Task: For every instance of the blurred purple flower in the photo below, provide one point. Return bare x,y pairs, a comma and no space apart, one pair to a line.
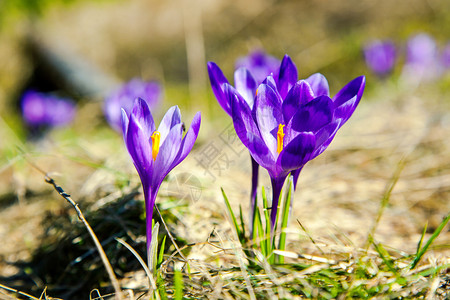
380,57
289,122
421,49
421,58
445,57
259,64
156,152
42,109
124,98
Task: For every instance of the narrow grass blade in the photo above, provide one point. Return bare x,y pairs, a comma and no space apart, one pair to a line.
385,200
259,232
242,238
178,282
151,280
230,211
161,251
284,219
268,229
162,292
252,220
430,240
255,219
384,255
419,244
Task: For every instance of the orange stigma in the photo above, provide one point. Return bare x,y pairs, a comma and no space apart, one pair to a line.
280,136
155,140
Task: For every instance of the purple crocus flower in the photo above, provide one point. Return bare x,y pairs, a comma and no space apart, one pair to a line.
250,71
124,96
445,57
380,57
259,64
421,58
156,152
290,122
47,110
246,85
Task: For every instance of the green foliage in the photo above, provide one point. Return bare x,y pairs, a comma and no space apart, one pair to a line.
421,251
263,238
178,278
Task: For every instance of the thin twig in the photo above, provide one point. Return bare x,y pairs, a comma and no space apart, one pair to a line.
310,237
385,200
106,263
151,280
170,235
17,292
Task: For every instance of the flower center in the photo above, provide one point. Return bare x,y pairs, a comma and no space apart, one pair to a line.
280,136
155,141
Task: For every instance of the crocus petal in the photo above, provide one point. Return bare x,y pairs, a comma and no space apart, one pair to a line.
268,115
325,136
139,148
319,85
270,81
248,132
170,119
297,152
245,85
167,154
217,81
348,98
260,153
313,115
188,141
242,117
124,124
143,116
300,94
287,77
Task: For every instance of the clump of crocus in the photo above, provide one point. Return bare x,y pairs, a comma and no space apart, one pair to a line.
380,57
288,122
44,110
123,97
155,152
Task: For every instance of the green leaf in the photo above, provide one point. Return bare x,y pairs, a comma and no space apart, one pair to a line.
152,255
384,255
419,245
430,240
230,211
242,238
178,282
268,232
284,218
161,251
261,234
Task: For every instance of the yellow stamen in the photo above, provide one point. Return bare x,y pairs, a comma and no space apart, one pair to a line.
280,136
155,140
